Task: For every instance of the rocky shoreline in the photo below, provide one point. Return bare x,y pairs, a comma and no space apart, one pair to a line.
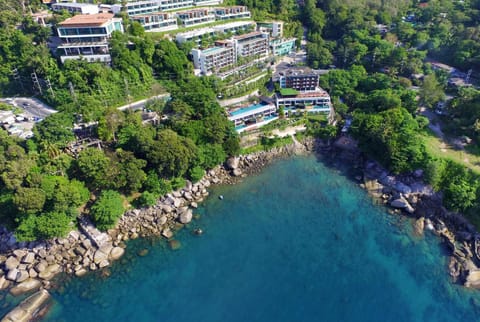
30,267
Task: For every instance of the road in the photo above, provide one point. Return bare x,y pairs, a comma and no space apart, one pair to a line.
139,105
31,106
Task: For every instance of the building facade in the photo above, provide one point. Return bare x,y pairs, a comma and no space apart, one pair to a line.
299,82
281,47
252,44
195,17
86,36
274,28
76,8
235,12
157,21
212,60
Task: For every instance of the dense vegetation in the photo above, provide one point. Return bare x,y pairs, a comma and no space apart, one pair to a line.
44,187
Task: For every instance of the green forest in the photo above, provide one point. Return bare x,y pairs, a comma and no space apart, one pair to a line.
374,45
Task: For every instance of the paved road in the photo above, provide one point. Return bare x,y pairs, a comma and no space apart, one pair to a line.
31,106
139,105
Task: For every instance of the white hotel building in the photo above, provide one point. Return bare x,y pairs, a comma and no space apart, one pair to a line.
86,36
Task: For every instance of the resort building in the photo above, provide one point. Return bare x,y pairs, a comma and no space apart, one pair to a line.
81,8
281,47
253,116
299,80
274,28
157,21
235,12
175,4
199,3
215,59
195,17
252,44
86,36
138,7
317,101
231,27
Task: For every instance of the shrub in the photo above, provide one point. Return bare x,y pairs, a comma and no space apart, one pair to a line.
196,173
107,209
147,199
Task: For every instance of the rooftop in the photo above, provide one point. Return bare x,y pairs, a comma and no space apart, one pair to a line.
74,4
288,92
249,35
87,20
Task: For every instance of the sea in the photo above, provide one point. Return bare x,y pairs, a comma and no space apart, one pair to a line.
301,241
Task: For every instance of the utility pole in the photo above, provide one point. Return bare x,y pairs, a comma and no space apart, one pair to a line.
72,92
36,83
18,78
49,85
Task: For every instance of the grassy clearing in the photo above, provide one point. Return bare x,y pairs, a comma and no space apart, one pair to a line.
445,150
268,144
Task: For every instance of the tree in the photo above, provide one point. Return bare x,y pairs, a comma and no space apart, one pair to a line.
94,166
107,209
431,92
57,128
29,200
171,154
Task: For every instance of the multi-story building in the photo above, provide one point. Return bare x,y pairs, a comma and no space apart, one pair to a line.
252,44
195,17
157,21
299,80
81,8
199,3
253,116
86,36
274,28
231,27
212,60
175,4
281,47
235,12
312,101
136,7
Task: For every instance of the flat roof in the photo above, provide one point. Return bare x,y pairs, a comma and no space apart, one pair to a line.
250,34
74,4
250,110
288,91
97,19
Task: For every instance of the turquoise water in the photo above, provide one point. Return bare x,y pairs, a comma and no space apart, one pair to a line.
299,242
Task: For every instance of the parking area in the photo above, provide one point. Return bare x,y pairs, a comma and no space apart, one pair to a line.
19,114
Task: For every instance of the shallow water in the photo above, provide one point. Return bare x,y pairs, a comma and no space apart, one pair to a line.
299,242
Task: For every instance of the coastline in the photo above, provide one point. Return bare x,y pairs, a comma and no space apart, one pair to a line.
79,253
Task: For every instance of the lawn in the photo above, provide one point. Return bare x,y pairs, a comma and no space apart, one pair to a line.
441,149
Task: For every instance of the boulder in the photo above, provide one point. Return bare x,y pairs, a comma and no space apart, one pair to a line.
186,217
28,258
40,267
49,272
80,272
167,233
28,308
103,263
174,244
3,283
11,263
32,272
22,276
99,256
26,286
419,225
12,274
237,172
116,253
473,279
162,220
232,163
19,253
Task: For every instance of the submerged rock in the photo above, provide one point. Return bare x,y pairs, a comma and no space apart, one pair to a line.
174,244
26,286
